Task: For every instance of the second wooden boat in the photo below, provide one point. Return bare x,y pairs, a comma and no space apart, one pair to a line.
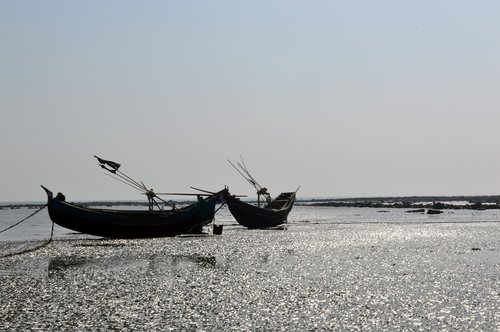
269,213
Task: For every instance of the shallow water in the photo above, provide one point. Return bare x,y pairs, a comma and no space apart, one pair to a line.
39,226
330,269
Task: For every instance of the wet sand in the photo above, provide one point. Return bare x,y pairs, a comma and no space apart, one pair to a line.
357,277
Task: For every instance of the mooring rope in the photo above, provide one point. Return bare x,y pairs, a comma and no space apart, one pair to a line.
31,215
31,249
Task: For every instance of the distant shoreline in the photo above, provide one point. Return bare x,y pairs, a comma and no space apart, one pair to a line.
406,202
413,202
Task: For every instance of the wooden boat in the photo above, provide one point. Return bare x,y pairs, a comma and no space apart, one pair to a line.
120,224
251,216
134,223
272,213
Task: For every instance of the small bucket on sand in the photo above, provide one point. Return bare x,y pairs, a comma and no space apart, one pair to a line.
218,229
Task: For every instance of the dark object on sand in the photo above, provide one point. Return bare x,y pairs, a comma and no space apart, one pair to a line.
134,223
431,211
273,212
416,211
218,229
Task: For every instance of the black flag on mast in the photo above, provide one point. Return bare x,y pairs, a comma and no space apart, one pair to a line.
103,163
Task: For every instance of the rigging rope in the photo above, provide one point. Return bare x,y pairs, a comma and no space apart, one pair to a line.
220,207
31,249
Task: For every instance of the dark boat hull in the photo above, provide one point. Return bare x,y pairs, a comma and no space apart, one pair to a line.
253,217
131,224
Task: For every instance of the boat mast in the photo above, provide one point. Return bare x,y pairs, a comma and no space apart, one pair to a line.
112,167
261,191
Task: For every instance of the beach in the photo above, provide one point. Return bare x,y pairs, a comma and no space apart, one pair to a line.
371,127
316,274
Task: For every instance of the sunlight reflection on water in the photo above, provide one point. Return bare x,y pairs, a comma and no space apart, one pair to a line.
38,227
336,269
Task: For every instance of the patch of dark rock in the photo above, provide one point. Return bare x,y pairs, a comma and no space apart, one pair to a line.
416,211
99,245
63,263
432,211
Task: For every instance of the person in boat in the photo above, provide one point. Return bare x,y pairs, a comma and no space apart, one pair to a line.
150,194
201,202
60,197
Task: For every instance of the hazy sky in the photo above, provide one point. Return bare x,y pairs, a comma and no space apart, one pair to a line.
346,98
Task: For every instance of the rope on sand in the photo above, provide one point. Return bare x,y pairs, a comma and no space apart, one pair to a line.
32,249
31,215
